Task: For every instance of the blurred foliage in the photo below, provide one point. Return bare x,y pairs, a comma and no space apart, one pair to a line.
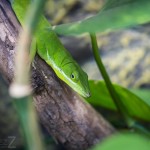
124,142
134,105
127,13
9,123
65,11
143,94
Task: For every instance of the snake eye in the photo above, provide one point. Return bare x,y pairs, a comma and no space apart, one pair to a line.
72,76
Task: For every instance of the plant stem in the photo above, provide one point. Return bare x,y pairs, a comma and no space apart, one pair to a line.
22,60
20,89
108,82
121,108
28,120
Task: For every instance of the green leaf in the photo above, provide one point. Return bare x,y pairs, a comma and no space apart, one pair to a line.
115,3
134,105
143,94
124,142
115,15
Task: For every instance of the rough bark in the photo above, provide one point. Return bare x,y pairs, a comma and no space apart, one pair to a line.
66,116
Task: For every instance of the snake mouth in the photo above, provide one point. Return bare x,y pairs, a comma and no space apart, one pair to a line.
87,94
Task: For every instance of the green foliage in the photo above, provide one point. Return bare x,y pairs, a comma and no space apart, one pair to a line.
134,105
143,94
124,142
23,99
114,15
